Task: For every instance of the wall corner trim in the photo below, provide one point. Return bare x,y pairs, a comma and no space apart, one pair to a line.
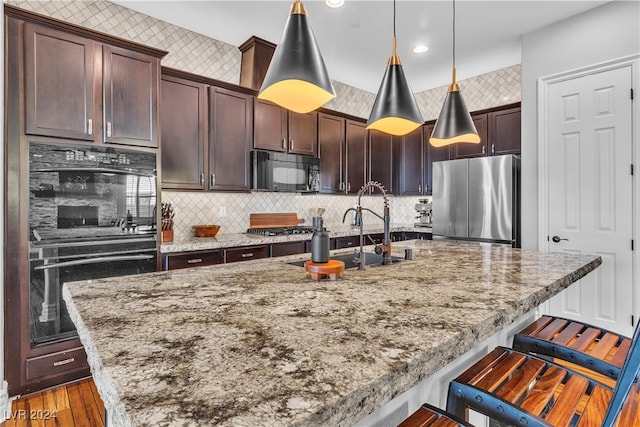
5,402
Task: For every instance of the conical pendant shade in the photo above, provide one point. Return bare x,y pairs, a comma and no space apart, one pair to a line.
297,77
454,123
395,110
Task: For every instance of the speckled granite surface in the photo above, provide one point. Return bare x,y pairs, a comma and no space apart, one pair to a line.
242,239
258,343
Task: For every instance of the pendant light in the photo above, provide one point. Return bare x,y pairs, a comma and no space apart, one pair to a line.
454,123
297,78
395,110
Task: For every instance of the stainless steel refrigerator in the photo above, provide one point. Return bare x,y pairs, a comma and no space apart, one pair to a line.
477,199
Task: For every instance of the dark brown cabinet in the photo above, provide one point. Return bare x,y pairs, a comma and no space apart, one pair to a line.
193,259
288,248
183,117
464,150
109,93
434,154
499,131
348,242
505,135
278,129
246,253
409,163
230,139
342,147
381,159
58,71
130,87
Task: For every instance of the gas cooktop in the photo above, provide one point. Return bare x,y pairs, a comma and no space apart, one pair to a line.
279,231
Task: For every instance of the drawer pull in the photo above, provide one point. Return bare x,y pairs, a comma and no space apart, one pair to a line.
108,129
64,362
194,261
247,255
90,127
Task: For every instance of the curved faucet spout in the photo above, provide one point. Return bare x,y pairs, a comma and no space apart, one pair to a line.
347,211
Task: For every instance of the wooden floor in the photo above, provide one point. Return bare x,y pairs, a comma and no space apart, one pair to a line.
72,405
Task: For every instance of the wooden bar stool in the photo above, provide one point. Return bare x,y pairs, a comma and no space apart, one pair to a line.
430,416
522,389
579,343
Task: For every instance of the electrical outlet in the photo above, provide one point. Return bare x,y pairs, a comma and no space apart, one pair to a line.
222,212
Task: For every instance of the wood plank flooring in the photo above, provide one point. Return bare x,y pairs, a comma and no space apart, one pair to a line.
72,405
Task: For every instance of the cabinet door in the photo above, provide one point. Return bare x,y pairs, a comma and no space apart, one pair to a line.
504,131
303,133
183,119
192,259
356,150
434,154
410,163
130,87
465,151
287,248
380,158
230,137
330,146
270,121
59,83
246,253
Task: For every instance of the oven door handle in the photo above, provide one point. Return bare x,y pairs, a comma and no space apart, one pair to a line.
94,261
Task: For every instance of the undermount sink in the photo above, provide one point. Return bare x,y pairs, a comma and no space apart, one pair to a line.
371,259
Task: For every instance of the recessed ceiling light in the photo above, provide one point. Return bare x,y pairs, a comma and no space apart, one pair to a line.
334,3
420,49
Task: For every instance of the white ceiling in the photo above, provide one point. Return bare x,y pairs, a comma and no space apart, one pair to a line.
356,39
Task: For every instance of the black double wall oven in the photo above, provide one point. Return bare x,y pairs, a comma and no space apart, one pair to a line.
91,214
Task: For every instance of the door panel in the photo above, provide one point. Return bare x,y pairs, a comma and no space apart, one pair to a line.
590,192
330,146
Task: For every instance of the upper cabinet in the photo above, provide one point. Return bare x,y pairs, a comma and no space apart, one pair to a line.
278,129
130,87
58,71
77,87
499,131
230,136
409,163
183,118
342,145
381,159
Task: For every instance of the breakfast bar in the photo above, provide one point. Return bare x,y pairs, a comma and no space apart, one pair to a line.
263,344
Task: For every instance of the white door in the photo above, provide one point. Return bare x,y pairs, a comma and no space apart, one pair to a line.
590,197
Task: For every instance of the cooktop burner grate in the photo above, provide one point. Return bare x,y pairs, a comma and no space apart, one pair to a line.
279,231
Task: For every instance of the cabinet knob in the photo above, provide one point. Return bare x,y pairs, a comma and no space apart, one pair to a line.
348,186
202,178
493,148
419,188
108,129
90,127
291,145
483,149
284,142
212,179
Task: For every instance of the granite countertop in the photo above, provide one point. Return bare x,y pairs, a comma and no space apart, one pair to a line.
260,344
242,239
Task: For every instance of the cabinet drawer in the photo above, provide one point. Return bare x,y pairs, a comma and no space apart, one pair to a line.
247,253
289,248
192,259
348,242
56,363
377,239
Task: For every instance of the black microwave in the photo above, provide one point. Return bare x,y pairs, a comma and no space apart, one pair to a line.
273,171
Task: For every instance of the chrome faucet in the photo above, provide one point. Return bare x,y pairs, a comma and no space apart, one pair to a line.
385,249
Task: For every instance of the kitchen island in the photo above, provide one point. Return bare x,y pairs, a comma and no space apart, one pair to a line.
259,343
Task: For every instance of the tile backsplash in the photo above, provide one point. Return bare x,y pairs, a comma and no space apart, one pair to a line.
204,208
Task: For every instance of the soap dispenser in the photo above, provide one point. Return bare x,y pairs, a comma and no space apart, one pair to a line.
319,242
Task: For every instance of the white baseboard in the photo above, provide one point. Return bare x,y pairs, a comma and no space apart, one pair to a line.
5,402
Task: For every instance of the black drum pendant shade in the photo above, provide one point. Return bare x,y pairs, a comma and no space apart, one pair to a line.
297,77
454,123
395,110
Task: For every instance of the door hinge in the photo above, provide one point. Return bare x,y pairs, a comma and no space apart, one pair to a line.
631,168
633,321
631,93
632,245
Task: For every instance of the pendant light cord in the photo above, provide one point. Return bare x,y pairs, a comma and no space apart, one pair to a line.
394,18
454,33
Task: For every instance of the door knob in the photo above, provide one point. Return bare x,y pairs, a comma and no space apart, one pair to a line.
557,239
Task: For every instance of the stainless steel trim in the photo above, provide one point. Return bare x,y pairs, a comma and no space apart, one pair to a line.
109,129
450,194
85,255
90,127
95,260
44,244
95,170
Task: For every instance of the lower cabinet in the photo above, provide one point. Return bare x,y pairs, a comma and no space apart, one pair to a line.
347,242
192,259
288,248
246,253
413,235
